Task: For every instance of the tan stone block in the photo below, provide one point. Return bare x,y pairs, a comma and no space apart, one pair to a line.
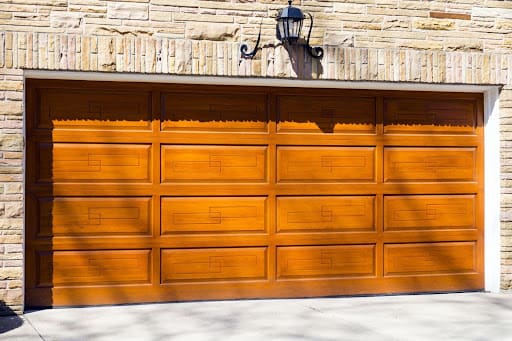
203,17
15,284
344,7
491,12
421,44
434,24
11,108
11,273
11,85
13,210
106,54
62,19
122,10
338,39
214,32
13,188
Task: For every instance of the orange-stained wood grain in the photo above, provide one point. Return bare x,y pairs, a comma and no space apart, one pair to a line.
94,216
429,258
213,264
440,116
77,268
165,192
321,164
341,213
91,109
325,261
429,164
427,212
207,112
67,162
213,163
213,214
316,114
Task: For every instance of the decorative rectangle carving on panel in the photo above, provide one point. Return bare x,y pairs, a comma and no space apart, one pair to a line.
79,268
62,216
429,164
325,261
214,112
429,258
428,212
75,162
235,264
322,114
332,213
214,163
94,109
213,215
325,164
442,116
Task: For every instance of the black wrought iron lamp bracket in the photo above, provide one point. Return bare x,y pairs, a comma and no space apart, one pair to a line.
244,47
314,51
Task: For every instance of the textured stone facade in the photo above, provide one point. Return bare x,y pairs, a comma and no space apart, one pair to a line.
445,41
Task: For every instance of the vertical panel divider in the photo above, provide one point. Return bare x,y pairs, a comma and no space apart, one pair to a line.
379,178
156,195
272,179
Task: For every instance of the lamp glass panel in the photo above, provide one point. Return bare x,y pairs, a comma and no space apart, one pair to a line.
281,29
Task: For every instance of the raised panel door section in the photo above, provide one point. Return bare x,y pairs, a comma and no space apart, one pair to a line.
429,212
214,112
61,216
327,214
325,164
80,268
206,265
429,164
424,115
321,114
97,109
295,262
214,163
213,215
76,162
429,258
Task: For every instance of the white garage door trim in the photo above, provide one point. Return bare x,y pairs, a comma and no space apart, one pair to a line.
492,131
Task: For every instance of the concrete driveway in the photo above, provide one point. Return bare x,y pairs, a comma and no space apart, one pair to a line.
466,316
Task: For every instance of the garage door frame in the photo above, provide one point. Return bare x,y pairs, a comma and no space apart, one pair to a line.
491,144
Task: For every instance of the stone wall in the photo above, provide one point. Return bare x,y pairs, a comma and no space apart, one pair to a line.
11,190
445,41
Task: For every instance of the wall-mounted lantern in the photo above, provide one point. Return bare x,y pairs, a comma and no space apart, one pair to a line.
288,30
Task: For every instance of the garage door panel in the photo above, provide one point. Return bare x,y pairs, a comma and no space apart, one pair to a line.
423,115
61,216
214,163
325,164
97,109
213,215
320,114
219,112
328,214
69,162
230,264
295,262
430,258
81,268
430,164
427,212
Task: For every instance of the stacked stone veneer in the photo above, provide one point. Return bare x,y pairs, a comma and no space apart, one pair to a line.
435,41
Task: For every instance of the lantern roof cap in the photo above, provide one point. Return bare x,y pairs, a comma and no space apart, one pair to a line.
290,12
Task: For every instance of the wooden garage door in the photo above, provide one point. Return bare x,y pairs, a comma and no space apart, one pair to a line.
147,192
